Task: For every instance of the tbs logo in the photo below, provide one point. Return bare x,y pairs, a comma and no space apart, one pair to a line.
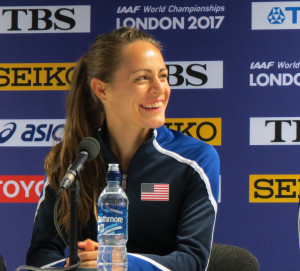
31,133
275,131
195,74
44,19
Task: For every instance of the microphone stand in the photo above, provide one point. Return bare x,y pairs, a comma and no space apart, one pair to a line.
74,202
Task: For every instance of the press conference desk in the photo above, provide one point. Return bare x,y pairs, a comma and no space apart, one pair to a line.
84,269
136,262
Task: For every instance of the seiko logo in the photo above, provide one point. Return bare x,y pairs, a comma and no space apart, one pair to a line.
275,15
130,9
31,132
44,19
275,131
35,76
204,129
196,74
274,188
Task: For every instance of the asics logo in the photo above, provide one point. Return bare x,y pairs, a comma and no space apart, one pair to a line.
8,132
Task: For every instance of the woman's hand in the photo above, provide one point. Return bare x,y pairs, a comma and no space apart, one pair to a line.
87,253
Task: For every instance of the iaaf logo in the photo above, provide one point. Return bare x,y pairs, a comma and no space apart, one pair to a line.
269,79
31,133
262,65
271,64
44,19
130,9
275,15
195,74
21,189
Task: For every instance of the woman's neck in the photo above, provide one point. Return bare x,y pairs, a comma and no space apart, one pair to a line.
124,142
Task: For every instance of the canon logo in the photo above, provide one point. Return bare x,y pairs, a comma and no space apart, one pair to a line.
44,19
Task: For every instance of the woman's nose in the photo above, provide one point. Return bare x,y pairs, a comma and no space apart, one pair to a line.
157,86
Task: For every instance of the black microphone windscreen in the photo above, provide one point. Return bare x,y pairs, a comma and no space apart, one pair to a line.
90,145
232,258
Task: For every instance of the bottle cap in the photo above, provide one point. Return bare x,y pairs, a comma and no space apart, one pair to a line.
113,167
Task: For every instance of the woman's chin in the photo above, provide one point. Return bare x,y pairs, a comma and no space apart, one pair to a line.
157,123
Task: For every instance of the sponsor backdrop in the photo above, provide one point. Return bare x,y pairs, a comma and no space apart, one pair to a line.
234,71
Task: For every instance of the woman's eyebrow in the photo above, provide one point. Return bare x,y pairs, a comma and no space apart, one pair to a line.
148,70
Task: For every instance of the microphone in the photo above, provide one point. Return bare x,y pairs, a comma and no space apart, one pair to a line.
87,150
231,258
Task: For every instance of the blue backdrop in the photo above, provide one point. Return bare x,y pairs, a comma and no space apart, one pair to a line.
234,72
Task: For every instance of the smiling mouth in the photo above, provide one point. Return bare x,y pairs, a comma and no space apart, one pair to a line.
154,105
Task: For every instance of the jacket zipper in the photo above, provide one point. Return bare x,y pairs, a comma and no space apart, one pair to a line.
124,181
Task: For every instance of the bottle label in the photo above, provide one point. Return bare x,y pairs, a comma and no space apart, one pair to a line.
112,219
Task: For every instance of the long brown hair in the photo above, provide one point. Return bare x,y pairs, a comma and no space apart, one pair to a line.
85,114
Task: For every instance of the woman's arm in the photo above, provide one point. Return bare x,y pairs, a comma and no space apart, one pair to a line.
46,245
197,216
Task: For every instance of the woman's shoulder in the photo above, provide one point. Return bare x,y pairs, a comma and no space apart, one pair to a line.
185,145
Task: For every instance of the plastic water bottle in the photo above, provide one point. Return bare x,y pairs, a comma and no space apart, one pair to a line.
112,223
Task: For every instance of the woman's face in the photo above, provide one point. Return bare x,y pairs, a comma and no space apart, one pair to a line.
139,93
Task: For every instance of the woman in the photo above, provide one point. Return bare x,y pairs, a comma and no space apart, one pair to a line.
121,86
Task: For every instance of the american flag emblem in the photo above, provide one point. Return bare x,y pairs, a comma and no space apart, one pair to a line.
155,192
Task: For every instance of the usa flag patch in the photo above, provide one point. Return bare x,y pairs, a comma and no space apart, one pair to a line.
154,192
